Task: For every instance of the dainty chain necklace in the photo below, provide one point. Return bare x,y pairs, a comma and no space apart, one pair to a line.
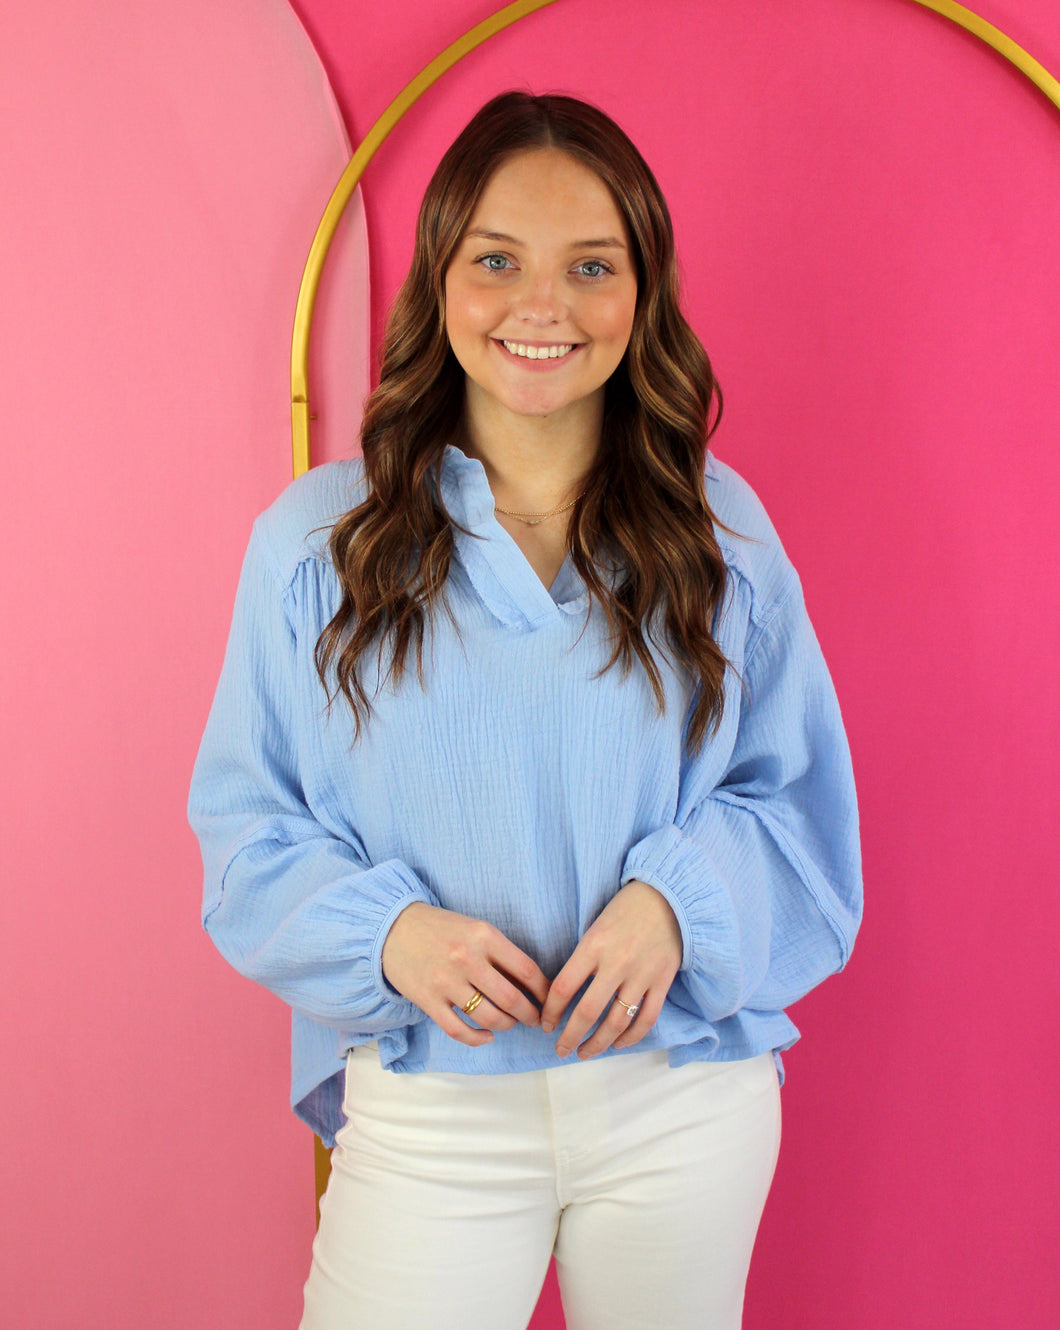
532,519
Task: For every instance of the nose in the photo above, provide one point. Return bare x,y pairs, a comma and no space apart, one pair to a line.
538,301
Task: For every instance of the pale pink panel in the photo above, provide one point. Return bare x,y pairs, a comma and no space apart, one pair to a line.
164,166
867,204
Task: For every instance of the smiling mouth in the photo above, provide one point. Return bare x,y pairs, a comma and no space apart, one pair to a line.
556,351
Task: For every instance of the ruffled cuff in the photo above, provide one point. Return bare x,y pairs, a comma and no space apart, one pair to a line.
681,870
398,888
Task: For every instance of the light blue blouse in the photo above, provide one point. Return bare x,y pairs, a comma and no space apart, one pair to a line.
516,787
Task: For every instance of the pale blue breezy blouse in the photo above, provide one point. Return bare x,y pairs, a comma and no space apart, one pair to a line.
516,787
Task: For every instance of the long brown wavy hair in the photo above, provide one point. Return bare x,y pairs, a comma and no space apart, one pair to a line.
643,504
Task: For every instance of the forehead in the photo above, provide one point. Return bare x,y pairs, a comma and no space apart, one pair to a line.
547,186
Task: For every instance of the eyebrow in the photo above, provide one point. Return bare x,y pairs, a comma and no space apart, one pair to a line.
601,242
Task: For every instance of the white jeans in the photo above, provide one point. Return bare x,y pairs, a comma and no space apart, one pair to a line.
449,1194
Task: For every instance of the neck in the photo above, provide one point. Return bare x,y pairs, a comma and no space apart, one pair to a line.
533,463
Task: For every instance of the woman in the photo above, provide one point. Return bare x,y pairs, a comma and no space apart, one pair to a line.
460,880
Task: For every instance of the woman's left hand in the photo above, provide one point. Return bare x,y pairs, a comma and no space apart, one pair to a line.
634,950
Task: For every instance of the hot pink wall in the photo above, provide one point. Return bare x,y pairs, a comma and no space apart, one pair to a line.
866,203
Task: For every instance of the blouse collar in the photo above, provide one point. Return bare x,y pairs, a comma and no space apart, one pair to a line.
497,568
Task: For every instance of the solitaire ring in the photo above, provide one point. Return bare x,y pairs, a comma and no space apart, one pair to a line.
632,1008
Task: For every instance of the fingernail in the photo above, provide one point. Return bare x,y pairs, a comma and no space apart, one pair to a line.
547,1026
562,1051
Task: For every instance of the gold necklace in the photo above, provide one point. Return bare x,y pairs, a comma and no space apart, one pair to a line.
532,519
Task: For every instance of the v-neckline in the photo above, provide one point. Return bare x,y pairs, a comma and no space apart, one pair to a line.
493,559
550,587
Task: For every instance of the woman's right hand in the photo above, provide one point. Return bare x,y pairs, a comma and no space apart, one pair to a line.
437,958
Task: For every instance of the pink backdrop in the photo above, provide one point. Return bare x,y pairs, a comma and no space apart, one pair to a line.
866,202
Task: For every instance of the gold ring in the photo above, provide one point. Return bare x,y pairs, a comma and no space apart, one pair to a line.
472,1002
632,1008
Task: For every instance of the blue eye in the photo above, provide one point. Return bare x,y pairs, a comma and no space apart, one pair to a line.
488,258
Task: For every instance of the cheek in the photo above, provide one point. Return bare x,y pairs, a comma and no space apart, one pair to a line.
468,308
616,316
480,310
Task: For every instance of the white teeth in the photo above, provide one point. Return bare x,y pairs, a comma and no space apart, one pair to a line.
539,352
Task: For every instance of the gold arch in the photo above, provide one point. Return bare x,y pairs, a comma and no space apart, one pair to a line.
503,18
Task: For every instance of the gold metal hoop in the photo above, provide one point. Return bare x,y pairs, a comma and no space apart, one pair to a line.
347,183
1005,46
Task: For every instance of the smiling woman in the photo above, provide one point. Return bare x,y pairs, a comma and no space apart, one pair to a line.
653,862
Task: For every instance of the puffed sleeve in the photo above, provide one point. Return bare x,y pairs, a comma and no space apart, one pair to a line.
287,903
763,870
